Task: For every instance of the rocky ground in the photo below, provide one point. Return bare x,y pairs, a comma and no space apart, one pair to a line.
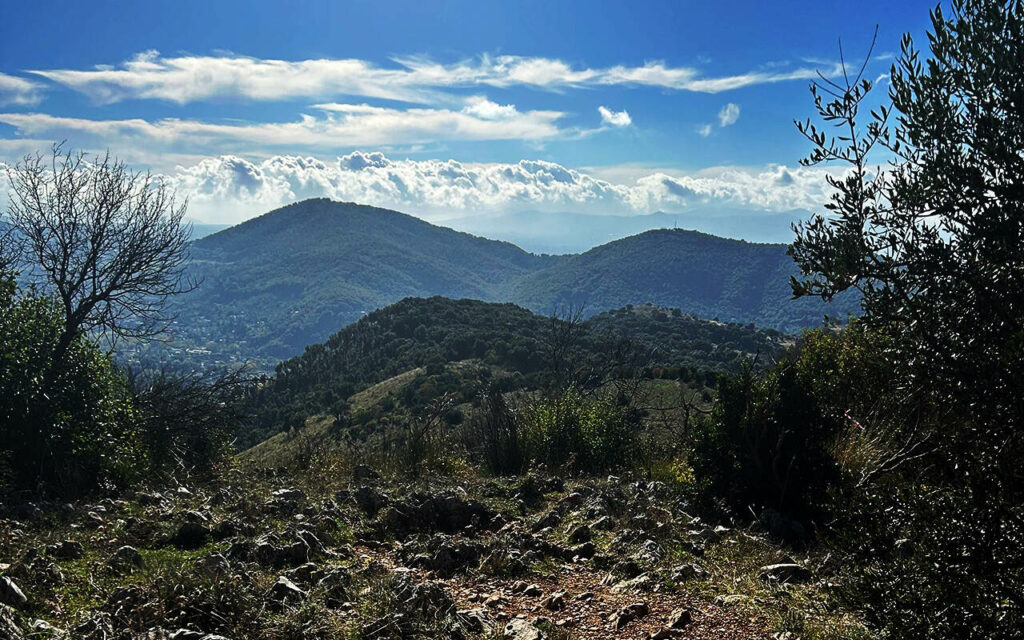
279,555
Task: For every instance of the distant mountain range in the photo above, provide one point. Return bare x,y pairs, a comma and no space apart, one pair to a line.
560,233
201,230
294,276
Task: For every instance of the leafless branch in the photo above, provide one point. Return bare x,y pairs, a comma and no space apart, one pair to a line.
108,243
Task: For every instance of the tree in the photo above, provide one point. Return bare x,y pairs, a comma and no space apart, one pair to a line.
106,242
103,248
934,241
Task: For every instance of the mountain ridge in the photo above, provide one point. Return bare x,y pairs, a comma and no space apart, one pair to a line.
562,233
295,275
432,332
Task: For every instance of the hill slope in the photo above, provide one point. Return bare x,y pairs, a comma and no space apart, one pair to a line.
433,332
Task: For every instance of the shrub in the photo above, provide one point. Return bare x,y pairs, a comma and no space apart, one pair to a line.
187,421
65,425
767,443
587,434
494,434
568,430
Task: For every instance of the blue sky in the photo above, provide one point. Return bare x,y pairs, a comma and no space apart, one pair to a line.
432,107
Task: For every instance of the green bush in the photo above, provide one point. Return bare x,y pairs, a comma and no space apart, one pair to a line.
585,434
568,430
768,442
65,425
791,438
71,425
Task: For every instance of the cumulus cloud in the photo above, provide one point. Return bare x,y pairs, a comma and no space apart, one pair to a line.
19,91
615,118
184,79
481,107
729,114
704,130
336,125
230,188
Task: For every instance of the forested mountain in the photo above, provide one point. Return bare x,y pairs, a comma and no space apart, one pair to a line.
417,332
292,277
704,275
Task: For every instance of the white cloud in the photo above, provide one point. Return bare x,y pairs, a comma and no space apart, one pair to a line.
19,91
337,126
615,118
729,114
17,148
704,130
231,188
184,79
481,107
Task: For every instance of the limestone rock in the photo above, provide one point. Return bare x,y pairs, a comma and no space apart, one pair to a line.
520,629
784,572
10,594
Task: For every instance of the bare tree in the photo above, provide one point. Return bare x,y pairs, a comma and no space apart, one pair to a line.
559,342
107,242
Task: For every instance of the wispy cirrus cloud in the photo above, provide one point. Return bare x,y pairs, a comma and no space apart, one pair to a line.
335,125
185,79
19,91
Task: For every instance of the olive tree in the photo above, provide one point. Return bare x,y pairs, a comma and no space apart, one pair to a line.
927,222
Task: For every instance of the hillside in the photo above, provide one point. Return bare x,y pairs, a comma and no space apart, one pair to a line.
434,332
291,277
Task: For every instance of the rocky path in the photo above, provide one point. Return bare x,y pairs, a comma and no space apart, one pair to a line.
582,603
522,559
577,600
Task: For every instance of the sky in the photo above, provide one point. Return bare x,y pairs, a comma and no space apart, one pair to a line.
443,109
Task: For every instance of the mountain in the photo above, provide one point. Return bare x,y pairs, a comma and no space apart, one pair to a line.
293,276
712,277
561,233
